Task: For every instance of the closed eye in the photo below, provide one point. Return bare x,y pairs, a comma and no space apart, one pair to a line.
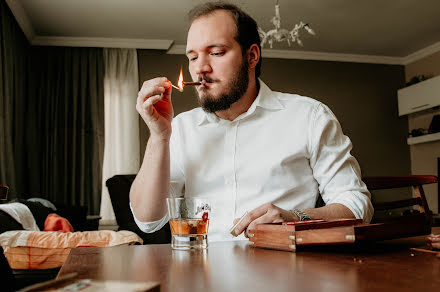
217,53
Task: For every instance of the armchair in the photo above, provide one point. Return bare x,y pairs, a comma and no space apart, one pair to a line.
119,189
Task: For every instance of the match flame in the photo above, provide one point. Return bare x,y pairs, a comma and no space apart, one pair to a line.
180,82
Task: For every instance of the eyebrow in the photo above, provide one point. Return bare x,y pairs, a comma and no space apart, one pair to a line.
219,45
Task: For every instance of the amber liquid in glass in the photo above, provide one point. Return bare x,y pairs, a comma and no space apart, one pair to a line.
189,226
189,233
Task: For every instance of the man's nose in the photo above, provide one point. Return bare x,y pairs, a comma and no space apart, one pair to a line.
203,66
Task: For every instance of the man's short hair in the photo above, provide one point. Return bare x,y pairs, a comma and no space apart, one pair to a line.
247,28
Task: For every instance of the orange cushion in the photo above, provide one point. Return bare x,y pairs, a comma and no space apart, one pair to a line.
55,222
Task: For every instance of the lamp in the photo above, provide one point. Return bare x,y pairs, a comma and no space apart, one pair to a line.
280,34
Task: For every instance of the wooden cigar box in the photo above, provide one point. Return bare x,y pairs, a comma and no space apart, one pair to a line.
291,236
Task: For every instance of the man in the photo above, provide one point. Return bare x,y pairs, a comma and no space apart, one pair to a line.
250,149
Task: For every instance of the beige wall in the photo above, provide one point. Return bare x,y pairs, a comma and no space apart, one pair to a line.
363,97
424,155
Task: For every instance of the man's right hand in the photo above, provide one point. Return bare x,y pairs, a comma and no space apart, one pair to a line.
154,106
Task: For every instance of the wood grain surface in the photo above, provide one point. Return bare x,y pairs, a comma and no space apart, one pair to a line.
236,266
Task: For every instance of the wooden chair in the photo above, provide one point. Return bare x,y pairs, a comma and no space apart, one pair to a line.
416,182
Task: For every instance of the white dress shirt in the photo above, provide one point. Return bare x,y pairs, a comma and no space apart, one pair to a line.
286,149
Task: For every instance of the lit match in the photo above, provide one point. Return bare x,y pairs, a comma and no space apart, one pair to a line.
182,84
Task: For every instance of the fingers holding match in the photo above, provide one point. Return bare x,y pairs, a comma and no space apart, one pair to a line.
151,92
156,86
148,104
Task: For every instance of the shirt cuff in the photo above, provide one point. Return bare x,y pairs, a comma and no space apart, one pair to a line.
150,227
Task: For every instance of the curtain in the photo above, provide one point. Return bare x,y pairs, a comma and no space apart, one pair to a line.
15,113
67,92
51,119
121,154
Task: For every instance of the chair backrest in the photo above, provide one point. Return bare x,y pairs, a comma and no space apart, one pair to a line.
416,182
3,192
119,189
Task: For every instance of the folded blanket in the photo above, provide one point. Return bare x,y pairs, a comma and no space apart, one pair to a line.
21,213
49,249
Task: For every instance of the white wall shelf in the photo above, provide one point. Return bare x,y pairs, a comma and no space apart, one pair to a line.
423,139
421,96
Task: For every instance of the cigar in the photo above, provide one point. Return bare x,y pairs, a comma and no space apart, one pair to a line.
192,83
232,230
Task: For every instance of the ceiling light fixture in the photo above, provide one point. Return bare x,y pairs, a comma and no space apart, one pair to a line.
280,34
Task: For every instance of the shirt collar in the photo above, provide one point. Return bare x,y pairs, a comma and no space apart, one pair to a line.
266,99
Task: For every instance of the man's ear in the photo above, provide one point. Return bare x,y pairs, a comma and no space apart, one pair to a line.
253,56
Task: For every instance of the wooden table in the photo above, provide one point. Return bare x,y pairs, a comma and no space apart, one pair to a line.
235,266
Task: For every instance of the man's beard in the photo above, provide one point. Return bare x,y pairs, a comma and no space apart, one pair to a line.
237,88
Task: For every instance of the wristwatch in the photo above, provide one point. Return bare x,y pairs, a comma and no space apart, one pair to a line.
302,216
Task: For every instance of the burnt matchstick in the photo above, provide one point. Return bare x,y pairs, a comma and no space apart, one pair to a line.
232,230
176,87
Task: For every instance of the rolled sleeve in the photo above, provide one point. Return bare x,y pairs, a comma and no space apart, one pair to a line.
150,227
357,202
335,169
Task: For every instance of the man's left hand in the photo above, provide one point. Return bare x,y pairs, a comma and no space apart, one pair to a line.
267,213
